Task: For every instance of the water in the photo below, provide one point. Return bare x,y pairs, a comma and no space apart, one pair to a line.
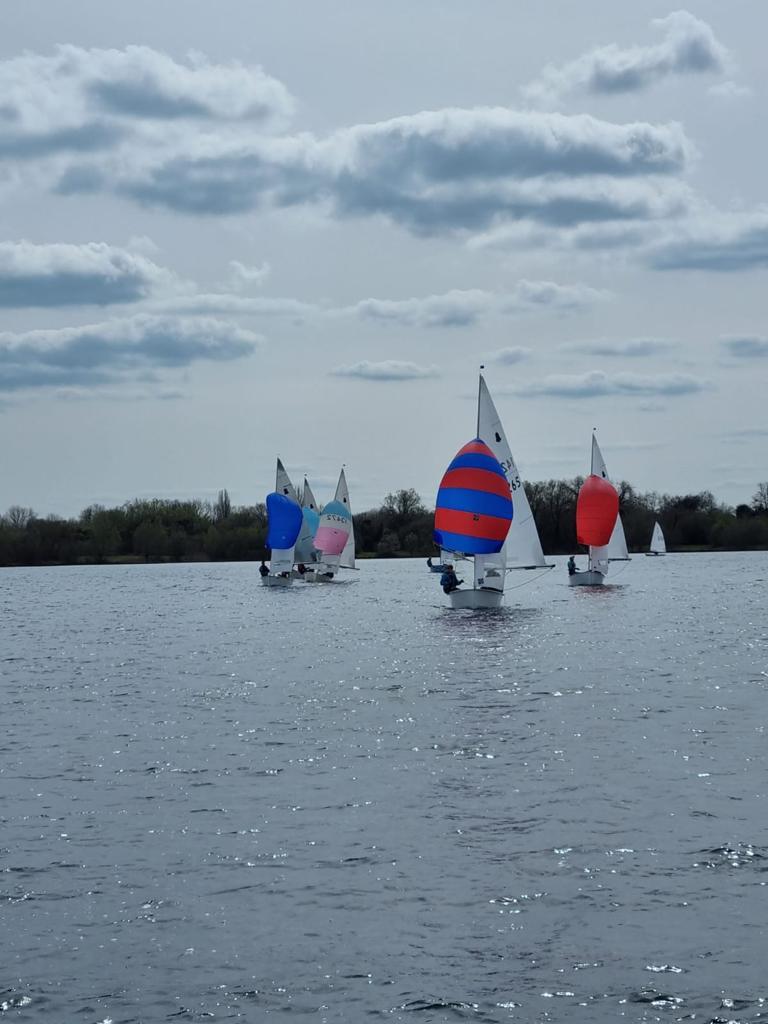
219,801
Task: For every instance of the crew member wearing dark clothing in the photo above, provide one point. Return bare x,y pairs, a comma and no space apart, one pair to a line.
572,566
449,580
263,569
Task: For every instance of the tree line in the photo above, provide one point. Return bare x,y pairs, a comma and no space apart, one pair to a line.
165,530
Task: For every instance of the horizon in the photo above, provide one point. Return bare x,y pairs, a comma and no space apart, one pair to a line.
223,239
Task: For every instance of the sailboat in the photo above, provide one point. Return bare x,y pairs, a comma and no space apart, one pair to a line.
306,553
473,515
335,536
658,544
284,519
597,523
522,548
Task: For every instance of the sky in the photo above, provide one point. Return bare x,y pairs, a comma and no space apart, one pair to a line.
235,231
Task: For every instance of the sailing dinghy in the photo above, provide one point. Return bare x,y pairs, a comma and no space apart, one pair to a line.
335,536
598,525
284,521
658,544
306,553
472,518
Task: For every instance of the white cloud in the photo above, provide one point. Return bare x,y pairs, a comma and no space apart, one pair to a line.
77,99
510,356
243,277
120,349
746,347
688,46
596,384
76,275
715,242
635,348
730,90
387,370
464,308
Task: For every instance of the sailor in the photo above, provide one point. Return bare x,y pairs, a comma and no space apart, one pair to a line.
429,561
301,568
263,568
449,581
572,566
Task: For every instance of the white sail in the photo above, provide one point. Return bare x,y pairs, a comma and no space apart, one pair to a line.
306,553
281,559
334,532
347,560
598,559
617,545
616,549
283,483
522,546
658,544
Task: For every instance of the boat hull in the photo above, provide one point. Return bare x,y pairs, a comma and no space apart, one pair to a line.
655,554
318,577
473,599
587,578
276,581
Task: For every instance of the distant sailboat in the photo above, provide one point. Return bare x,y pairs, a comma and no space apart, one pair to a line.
658,544
597,523
284,520
306,552
522,548
335,537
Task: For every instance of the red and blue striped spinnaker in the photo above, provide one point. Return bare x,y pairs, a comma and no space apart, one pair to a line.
474,508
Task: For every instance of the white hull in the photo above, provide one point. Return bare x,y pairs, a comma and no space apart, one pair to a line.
484,598
587,578
316,577
276,581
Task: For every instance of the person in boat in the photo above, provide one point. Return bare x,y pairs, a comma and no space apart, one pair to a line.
301,568
572,570
429,561
449,581
263,568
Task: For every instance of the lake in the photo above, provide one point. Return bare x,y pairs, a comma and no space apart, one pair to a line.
222,801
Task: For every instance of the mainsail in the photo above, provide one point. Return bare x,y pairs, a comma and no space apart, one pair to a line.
616,548
658,544
523,547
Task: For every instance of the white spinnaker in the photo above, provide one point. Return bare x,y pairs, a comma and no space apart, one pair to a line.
658,544
347,560
522,546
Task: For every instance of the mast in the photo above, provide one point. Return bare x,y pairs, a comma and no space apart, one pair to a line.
479,392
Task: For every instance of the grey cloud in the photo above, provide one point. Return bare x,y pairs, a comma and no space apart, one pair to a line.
510,356
98,354
464,308
633,349
31,145
746,347
596,384
688,46
387,370
720,244
74,275
432,172
245,305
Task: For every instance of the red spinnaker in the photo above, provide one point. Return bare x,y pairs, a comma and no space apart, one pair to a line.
597,507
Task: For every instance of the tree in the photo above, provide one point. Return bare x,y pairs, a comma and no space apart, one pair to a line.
222,508
404,503
149,539
760,499
19,517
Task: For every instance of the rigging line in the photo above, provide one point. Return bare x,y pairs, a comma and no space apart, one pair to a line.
532,579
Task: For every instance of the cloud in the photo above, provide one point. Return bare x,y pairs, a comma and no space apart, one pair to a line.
721,243
597,384
78,99
246,305
433,172
242,276
688,46
746,347
633,349
388,370
465,308
510,356
104,353
730,90
75,275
